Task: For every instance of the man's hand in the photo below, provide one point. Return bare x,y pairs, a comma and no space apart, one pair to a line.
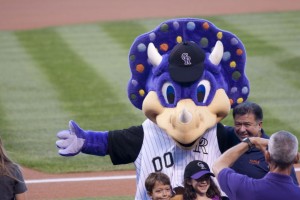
71,141
260,143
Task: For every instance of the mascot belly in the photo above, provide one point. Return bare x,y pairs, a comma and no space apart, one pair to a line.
186,76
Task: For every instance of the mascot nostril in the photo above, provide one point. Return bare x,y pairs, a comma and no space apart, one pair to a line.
186,75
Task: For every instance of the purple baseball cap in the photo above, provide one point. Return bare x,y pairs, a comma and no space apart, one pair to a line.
196,169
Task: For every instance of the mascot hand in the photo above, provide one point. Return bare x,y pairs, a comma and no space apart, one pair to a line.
71,141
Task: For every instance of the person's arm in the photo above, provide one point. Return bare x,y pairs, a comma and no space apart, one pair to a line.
231,155
124,145
20,188
21,196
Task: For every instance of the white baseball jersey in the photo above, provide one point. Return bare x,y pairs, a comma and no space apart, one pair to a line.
159,152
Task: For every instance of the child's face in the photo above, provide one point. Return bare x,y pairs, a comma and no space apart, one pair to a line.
161,191
202,184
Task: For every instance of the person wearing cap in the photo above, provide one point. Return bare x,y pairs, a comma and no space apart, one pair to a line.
198,182
281,152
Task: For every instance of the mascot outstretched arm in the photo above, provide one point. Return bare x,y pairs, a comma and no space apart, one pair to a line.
186,76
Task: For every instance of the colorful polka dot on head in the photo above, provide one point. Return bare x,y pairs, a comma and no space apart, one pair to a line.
178,39
132,57
134,83
140,68
141,47
142,92
226,56
234,90
245,90
164,47
236,75
152,36
219,35
239,52
232,64
240,100
176,25
234,41
132,97
204,42
164,28
205,25
191,26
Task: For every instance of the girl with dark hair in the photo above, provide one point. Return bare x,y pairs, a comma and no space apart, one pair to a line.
198,183
12,185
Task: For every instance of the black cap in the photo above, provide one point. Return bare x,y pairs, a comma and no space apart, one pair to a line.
186,62
196,169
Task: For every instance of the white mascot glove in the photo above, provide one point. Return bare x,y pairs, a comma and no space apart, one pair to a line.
71,141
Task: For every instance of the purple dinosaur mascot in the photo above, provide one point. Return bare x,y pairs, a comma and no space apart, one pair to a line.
186,76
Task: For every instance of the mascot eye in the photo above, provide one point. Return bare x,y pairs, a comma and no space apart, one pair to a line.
168,92
203,90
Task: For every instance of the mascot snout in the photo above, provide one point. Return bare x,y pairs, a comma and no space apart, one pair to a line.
187,122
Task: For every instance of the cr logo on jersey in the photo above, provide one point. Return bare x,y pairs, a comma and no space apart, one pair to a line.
201,147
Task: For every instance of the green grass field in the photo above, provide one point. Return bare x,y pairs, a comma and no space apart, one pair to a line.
80,72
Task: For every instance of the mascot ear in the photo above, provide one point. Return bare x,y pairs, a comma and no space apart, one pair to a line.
154,57
217,53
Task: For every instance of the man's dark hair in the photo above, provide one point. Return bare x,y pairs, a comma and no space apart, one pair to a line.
248,107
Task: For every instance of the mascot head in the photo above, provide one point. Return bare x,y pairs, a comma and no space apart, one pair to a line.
186,75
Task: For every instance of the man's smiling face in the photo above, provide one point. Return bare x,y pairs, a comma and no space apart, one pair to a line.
247,126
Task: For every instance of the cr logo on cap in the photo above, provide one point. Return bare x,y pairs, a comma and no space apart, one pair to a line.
201,165
186,58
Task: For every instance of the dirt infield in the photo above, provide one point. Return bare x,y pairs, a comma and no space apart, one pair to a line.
28,14
42,186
